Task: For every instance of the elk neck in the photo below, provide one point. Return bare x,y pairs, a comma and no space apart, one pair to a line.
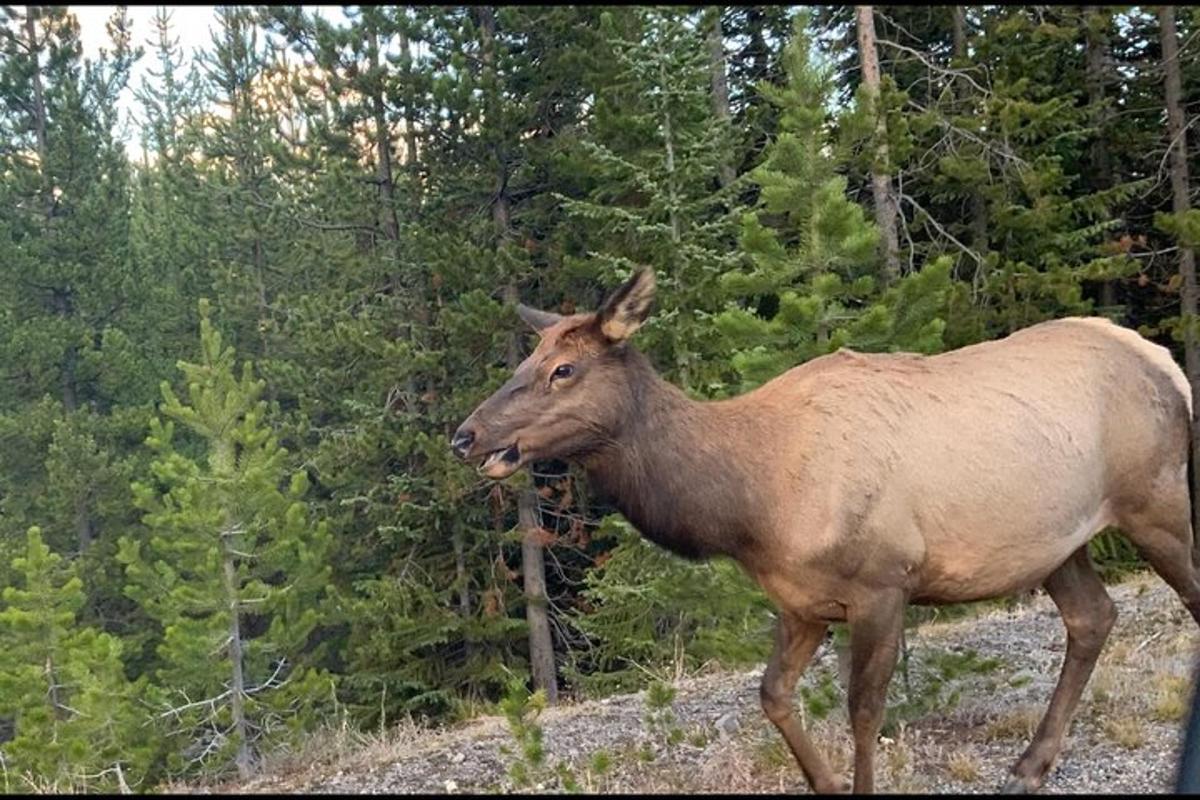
682,471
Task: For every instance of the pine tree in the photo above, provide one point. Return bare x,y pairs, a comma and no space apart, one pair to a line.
655,158
644,610
234,569
66,329
814,285
76,725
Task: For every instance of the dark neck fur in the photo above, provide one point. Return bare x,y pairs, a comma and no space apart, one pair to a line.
672,469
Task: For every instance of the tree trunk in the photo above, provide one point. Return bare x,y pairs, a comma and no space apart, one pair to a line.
672,195
40,116
541,645
411,152
52,687
720,90
881,180
385,178
39,95
958,17
1096,79
460,577
977,203
533,568
537,606
1180,204
238,681
383,148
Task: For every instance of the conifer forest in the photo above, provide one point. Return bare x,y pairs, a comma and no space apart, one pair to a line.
239,325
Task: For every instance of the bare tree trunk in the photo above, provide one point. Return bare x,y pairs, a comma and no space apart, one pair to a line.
537,606
669,143
39,94
411,151
52,687
958,16
881,180
40,125
1180,204
460,575
672,191
720,89
976,201
238,680
1096,78
533,569
383,149
385,179
541,644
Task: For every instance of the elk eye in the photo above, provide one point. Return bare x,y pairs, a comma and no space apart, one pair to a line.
563,371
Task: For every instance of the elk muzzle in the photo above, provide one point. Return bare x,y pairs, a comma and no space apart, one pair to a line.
497,463
462,440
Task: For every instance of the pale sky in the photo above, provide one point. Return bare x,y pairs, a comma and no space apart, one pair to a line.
192,27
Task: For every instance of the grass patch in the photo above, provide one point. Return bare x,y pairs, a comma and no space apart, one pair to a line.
1170,702
1019,723
939,690
962,766
898,763
822,697
771,753
1118,652
1128,732
1104,684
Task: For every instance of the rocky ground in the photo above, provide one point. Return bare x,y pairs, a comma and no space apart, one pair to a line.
975,691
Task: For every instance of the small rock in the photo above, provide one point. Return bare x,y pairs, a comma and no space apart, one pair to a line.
451,787
458,757
727,724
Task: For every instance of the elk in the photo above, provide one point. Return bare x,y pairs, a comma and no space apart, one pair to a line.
854,484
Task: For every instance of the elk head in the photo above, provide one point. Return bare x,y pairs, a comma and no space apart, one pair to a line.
571,395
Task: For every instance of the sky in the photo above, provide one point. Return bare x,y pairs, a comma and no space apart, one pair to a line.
192,27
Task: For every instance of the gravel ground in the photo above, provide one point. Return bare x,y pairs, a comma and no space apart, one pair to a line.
1125,737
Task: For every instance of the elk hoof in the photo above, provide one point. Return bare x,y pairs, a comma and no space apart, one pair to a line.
1017,786
836,786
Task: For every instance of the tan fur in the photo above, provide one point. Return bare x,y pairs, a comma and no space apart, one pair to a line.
966,475
854,484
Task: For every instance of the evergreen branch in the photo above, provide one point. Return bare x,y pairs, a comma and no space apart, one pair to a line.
953,73
1006,151
123,787
937,227
1158,173
309,223
211,702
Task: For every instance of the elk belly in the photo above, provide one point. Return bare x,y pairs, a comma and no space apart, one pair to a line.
970,568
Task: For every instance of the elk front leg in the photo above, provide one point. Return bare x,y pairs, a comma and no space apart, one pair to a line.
874,647
795,643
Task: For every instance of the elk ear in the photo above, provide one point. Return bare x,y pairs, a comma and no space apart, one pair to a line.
538,320
627,308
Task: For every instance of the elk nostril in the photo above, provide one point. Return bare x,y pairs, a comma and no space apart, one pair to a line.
462,441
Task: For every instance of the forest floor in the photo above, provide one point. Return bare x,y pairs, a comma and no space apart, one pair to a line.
975,692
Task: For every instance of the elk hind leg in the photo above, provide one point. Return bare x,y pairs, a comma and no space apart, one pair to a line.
874,647
1088,614
1162,532
795,643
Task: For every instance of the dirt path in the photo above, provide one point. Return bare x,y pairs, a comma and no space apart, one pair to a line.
976,690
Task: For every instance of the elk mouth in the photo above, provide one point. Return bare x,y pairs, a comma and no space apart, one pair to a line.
501,463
